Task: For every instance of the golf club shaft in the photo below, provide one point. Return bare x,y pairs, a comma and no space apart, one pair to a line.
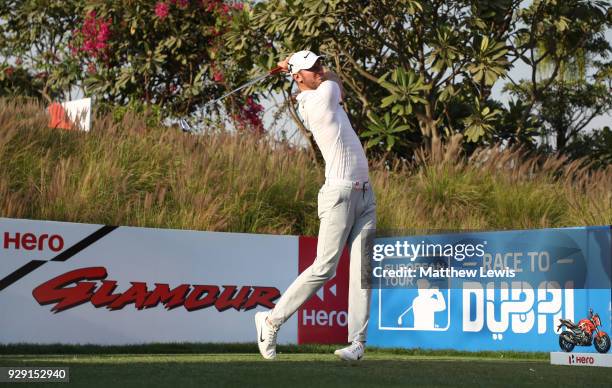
185,125
276,70
399,319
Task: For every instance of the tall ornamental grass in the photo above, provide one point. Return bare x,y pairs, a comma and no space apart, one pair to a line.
126,173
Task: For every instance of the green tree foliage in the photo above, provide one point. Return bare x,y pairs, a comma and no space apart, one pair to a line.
170,54
595,145
33,42
570,81
18,82
417,72
566,108
432,64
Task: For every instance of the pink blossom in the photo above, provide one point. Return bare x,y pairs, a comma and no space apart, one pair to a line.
162,10
238,6
89,45
95,34
250,116
183,3
104,32
210,4
9,71
218,76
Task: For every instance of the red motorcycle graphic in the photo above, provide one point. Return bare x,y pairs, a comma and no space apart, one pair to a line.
584,333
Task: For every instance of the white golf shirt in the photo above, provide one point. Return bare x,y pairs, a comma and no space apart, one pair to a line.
326,119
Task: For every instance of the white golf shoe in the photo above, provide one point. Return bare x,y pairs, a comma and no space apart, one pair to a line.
353,352
266,336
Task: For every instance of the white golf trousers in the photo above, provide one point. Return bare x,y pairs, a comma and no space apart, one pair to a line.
347,215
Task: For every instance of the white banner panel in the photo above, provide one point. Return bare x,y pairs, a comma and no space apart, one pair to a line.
81,283
581,359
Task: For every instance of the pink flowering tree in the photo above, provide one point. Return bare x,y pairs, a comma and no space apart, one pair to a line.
168,53
171,55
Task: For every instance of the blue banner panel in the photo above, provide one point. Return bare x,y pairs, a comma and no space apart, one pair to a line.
508,293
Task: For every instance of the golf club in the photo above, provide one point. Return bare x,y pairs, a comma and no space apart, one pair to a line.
399,319
276,70
185,125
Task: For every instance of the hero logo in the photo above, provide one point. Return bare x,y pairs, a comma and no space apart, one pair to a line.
30,241
583,360
193,298
323,318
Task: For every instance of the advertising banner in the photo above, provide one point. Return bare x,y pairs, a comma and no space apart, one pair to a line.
71,114
82,283
79,283
323,319
581,359
488,291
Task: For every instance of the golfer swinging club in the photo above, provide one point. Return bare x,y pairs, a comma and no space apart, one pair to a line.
346,207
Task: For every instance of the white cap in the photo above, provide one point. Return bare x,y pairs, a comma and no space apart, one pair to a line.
302,60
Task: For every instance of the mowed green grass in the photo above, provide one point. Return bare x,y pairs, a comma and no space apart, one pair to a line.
296,368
